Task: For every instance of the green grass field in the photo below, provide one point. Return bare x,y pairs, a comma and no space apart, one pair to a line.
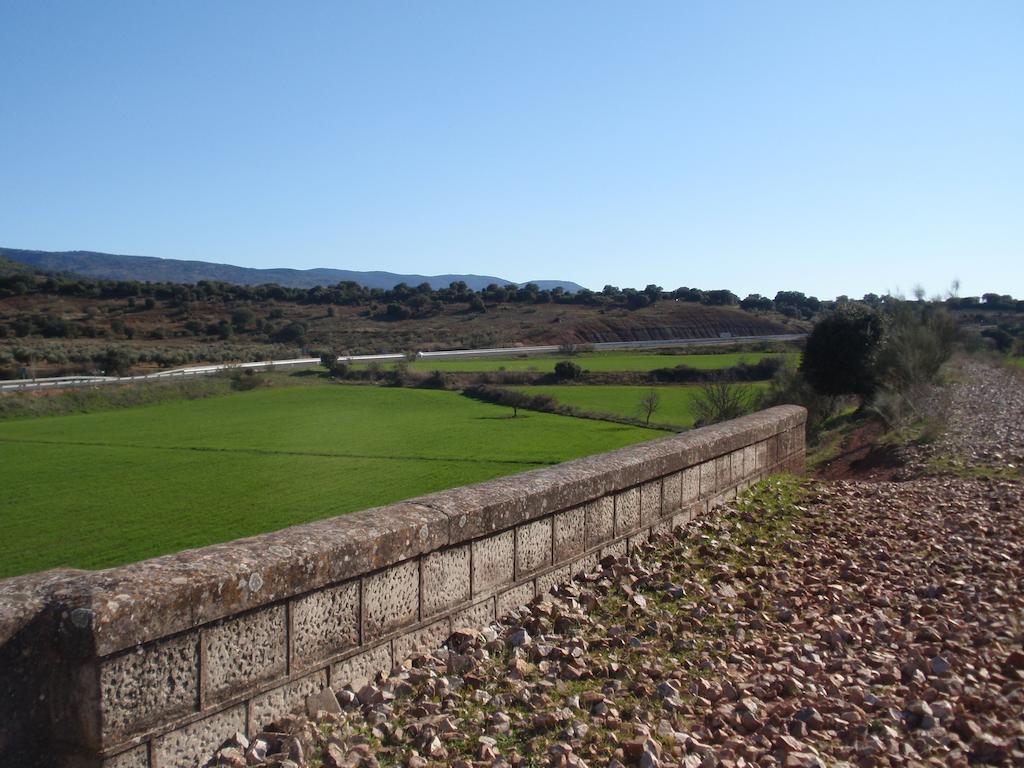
1018,361
676,406
98,489
598,362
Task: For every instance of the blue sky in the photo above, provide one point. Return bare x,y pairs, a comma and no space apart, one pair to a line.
833,148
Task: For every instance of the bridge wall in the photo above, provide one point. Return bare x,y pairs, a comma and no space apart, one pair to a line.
154,664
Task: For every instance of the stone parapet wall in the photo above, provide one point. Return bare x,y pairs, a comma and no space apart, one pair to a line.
154,664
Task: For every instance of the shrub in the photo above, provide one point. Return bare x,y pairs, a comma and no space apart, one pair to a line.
842,350
918,340
567,371
789,387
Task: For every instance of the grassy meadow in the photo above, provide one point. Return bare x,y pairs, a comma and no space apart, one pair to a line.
676,403
597,362
98,489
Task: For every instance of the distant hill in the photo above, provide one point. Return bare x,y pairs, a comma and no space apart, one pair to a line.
10,267
151,269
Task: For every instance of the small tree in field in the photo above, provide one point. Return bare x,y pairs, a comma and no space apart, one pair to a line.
649,403
720,401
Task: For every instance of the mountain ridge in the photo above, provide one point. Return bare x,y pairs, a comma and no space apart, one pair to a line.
154,269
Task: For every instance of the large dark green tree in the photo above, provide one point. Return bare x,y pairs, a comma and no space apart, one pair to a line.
842,351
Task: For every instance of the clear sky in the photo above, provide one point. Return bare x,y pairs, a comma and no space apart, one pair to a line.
828,147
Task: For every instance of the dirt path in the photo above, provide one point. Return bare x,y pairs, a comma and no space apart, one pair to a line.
862,623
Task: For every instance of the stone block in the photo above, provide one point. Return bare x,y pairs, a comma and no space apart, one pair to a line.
773,451
511,599
627,511
324,624
476,616
749,461
600,523
284,700
550,580
585,564
708,479
570,533
445,580
617,549
689,485
723,471
194,745
133,758
650,502
243,652
493,562
149,685
361,667
671,493
533,547
391,599
662,528
428,638
639,538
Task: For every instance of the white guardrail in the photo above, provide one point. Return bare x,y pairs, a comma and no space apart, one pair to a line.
59,382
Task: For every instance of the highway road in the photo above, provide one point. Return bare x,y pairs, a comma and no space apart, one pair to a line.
60,382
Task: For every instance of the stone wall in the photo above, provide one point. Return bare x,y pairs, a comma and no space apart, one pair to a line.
154,664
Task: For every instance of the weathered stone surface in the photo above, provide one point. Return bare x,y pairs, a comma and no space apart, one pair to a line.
761,456
627,511
324,624
570,534
533,547
445,580
241,653
723,471
671,493
391,600
476,616
362,666
617,549
638,538
429,638
146,685
600,523
689,485
708,480
650,502
547,581
285,699
136,603
191,746
133,758
511,599
749,460
493,562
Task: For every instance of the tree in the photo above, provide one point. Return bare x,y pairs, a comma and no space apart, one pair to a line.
720,401
567,370
649,403
842,350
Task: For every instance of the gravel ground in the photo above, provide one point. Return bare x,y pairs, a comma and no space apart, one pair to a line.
807,624
984,416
